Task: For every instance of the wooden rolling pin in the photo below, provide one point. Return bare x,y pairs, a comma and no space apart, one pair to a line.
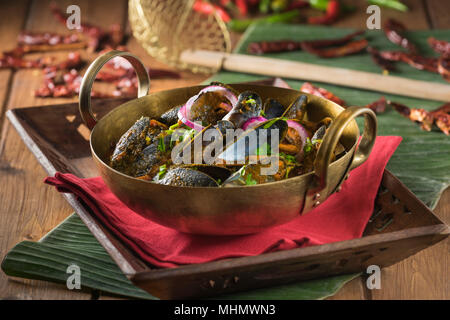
312,72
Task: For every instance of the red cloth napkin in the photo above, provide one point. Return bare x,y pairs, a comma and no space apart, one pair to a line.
343,216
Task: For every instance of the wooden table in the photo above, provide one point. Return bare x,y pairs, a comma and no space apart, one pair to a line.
29,209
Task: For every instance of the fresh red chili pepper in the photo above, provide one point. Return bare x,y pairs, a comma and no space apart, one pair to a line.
440,46
394,31
209,8
242,6
331,15
344,50
321,92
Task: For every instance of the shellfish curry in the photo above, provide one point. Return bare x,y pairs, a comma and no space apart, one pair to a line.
221,138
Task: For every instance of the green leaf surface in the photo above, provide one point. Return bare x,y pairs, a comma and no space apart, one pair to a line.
72,243
422,161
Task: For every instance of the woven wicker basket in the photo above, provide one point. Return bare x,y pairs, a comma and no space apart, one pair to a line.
167,27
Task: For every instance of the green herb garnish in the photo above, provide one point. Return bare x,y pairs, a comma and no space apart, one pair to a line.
161,145
249,181
162,171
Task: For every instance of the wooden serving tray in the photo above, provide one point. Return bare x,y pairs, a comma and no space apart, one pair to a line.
401,224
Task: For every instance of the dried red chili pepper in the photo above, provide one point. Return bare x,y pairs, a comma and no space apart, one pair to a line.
118,68
289,45
440,46
331,15
378,106
394,31
33,38
440,116
97,37
420,63
13,59
333,42
443,67
209,8
414,114
321,92
385,64
414,60
273,46
344,50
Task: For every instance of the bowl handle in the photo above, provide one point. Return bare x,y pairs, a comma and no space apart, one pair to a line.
326,151
88,80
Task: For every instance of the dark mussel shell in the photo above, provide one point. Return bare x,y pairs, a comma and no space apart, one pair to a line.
170,117
208,108
238,151
320,133
273,109
297,109
249,105
187,177
130,146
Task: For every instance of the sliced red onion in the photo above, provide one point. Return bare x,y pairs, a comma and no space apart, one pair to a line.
301,131
253,122
226,92
184,114
186,121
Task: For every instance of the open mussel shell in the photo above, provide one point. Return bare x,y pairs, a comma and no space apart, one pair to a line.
170,117
187,177
249,105
273,109
297,108
249,142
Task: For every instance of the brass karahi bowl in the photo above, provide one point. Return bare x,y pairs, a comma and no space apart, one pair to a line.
233,210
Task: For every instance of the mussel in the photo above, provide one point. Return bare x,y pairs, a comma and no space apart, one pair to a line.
129,150
297,108
187,177
170,117
273,109
249,105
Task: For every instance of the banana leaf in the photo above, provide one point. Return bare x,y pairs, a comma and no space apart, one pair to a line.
72,243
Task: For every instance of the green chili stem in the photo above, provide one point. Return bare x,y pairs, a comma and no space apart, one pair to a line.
393,4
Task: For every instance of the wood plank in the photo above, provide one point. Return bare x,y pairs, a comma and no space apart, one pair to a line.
10,26
30,208
438,12
424,275
354,290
